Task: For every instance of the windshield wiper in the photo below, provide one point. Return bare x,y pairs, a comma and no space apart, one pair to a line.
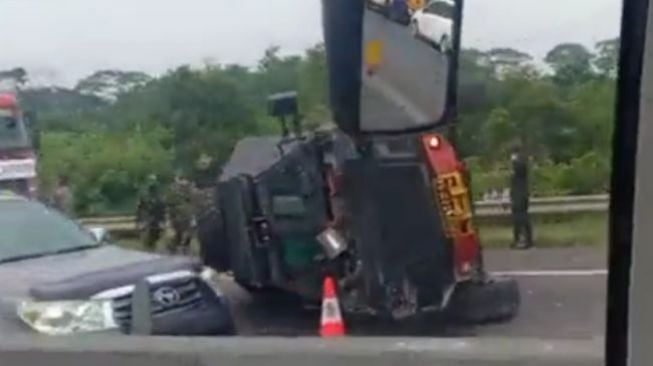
48,254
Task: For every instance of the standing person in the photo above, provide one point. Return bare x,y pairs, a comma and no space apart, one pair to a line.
519,199
150,214
181,214
63,197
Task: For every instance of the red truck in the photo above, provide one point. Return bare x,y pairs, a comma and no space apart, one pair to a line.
18,158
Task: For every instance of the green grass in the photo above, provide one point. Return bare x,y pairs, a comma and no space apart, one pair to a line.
581,230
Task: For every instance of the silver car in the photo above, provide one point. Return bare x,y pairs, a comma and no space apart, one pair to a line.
56,278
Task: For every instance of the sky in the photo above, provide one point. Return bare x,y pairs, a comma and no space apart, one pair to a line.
60,41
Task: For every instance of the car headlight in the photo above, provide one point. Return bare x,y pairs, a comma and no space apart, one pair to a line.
67,317
211,278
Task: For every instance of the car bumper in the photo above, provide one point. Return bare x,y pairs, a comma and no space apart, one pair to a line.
203,321
212,316
200,309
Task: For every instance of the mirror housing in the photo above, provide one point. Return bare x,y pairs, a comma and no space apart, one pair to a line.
343,34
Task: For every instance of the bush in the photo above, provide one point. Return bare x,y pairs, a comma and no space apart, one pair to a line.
487,178
588,174
547,179
105,170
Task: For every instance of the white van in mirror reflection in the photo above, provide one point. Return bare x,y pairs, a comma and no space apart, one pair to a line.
434,24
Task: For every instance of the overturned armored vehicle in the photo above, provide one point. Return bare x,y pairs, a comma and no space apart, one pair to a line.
381,203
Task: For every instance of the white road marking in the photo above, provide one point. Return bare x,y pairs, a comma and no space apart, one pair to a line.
554,273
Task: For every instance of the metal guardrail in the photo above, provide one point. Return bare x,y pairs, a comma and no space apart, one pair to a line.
547,206
539,201
540,206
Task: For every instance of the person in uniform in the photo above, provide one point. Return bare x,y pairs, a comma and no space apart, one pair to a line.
150,214
63,196
519,199
180,203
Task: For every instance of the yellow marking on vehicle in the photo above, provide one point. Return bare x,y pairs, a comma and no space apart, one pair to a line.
374,54
455,204
416,5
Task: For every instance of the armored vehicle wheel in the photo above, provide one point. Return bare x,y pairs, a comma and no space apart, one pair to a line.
488,301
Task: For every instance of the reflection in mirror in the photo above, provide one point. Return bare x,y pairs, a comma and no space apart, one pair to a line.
406,63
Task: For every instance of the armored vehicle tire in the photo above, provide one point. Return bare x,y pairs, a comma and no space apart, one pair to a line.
494,300
213,244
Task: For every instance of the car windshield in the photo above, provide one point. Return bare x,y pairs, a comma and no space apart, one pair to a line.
12,131
30,229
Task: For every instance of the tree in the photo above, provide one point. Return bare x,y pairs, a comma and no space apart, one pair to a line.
541,114
499,132
279,73
61,108
476,57
592,105
571,62
476,81
207,112
191,115
313,88
477,92
607,57
109,84
505,60
106,169
14,78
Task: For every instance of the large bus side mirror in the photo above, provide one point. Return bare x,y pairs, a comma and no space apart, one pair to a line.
393,67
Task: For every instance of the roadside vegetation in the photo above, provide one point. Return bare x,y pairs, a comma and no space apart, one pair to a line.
116,127
569,231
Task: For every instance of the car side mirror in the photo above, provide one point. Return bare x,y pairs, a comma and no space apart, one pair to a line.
100,234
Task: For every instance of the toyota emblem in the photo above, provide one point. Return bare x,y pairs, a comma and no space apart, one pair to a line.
167,296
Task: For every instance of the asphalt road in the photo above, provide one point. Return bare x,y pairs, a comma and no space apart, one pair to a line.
409,86
563,297
563,292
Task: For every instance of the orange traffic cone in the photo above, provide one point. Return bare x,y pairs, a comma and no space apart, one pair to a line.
332,324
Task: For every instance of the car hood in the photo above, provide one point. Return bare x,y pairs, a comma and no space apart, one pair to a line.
82,274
